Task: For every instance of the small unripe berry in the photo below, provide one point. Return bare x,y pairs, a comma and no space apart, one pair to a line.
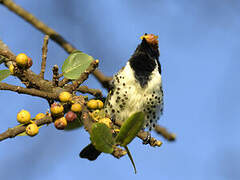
56,109
32,129
95,104
76,107
70,116
22,60
40,116
11,68
23,117
60,123
106,121
65,96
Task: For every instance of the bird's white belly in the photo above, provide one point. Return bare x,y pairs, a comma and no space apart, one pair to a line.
129,97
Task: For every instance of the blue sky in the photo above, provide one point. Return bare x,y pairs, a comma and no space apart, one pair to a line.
199,45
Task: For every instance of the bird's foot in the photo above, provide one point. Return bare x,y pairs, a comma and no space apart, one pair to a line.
113,119
147,139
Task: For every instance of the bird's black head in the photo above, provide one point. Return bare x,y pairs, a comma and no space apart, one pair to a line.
145,58
149,45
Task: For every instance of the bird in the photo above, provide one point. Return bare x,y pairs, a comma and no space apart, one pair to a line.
136,87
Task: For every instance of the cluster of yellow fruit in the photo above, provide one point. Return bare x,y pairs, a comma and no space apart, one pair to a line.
57,111
100,117
97,115
22,61
24,117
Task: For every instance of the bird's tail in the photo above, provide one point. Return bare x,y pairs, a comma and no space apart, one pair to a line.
90,153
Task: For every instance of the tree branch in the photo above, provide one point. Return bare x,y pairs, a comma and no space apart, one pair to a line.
64,81
94,92
29,91
38,24
44,56
55,79
12,132
52,34
163,132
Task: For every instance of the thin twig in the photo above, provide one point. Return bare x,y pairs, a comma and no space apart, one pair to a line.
105,80
55,79
64,81
12,132
163,132
38,24
29,91
94,92
44,56
7,54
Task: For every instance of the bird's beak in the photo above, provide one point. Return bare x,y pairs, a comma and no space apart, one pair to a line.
150,38
144,36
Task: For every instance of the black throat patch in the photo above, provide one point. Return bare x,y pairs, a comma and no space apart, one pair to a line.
144,61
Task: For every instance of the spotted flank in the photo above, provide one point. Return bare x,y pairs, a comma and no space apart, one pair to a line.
128,96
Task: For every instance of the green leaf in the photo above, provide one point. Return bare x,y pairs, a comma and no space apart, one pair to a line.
76,63
73,125
131,159
101,138
4,74
130,128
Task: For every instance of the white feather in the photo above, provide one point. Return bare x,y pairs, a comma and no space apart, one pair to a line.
137,96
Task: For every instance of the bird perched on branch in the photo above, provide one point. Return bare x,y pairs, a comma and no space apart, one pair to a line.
136,87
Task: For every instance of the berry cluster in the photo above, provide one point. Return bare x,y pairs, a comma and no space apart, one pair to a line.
67,111
71,109
24,117
58,110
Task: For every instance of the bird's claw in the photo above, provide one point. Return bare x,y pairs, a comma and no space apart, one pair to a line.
147,139
113,119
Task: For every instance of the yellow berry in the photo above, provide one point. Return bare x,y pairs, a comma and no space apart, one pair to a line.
32,129
65,96
40,116
22,59
76,107
92,104
99,104
60,123
95,104
56,109
23,117
106,121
